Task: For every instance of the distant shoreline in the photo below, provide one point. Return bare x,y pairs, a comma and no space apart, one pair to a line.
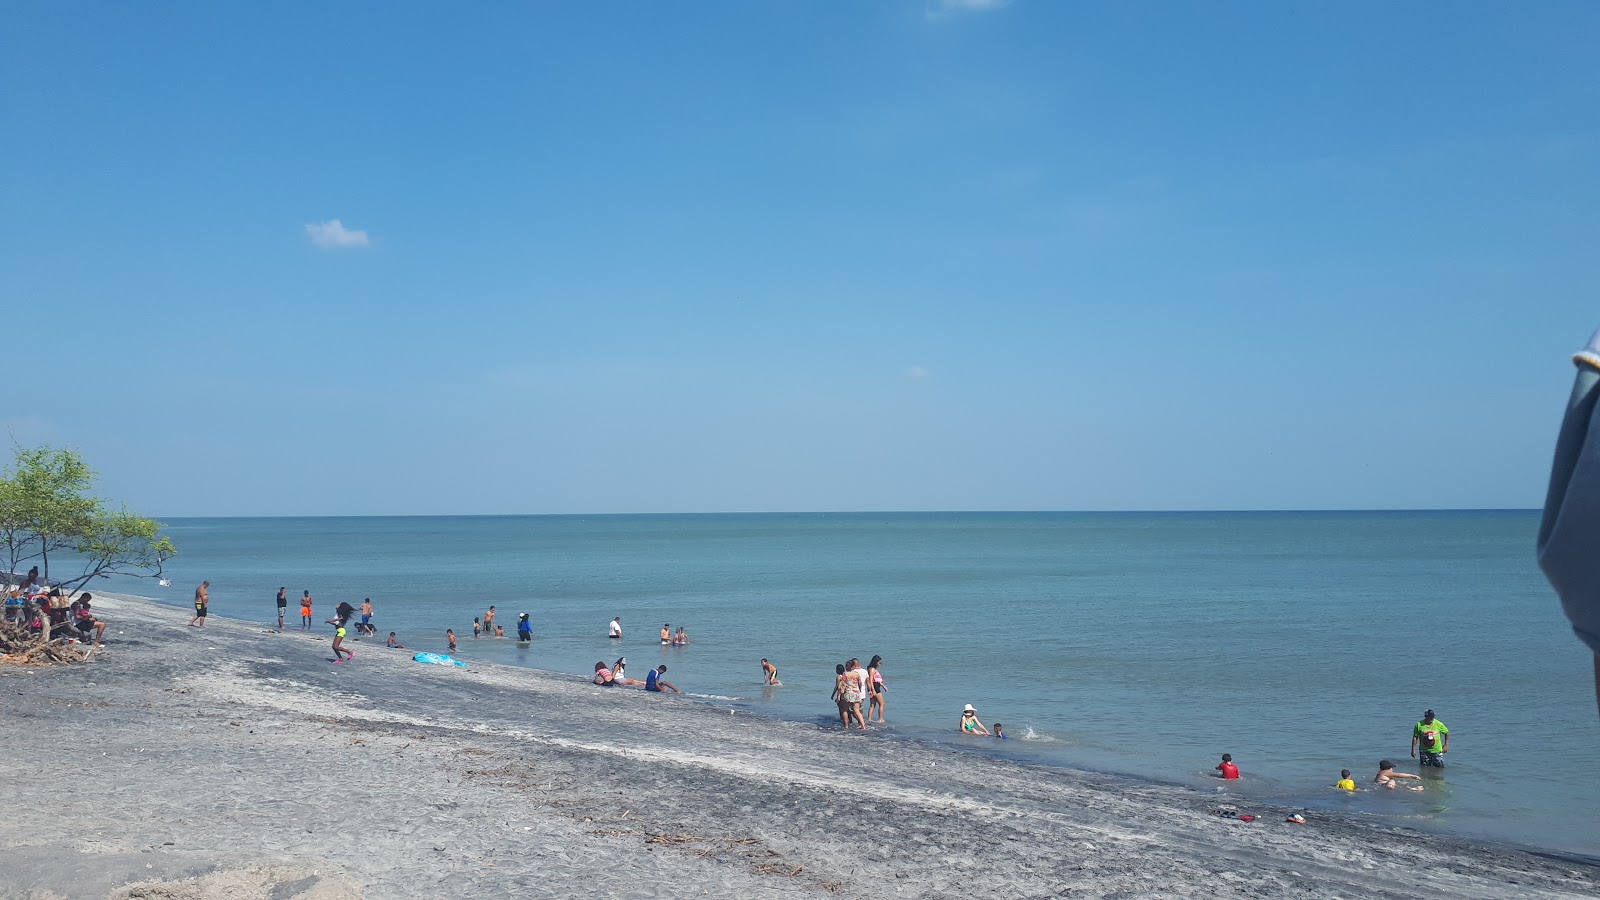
257,759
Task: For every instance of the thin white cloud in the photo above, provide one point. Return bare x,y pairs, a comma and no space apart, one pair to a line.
941,8
332,235
917,372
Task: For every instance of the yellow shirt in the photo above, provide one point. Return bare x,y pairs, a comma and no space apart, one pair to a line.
1346,784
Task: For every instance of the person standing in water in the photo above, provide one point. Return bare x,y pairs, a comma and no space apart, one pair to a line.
305,611
614,630
876,695
769,672
1432,739
283,605
524,629
666,634
681,638
202,599
488,621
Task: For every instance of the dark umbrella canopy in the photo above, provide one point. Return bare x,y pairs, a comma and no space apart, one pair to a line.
1569,535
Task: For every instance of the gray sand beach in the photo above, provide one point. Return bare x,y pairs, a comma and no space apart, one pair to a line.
236,762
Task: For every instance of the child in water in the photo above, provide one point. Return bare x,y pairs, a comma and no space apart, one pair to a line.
451,637
499,631
998,732
1227,768
1345,782
394,644
477,627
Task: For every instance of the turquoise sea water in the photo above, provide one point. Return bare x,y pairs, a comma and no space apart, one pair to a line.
1140,643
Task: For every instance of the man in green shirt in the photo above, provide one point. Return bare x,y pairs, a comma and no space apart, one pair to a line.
1432,738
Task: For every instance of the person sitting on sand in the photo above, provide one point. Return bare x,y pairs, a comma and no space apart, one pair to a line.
619,673
1387,775
338,645
970,723
602,675
654,681
524,629
85,619
1345,782
1226,768
393,643
999,731
769,672
451,637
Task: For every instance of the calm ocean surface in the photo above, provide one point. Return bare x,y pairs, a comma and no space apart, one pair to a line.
1140,643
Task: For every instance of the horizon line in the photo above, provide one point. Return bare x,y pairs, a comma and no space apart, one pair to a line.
870,512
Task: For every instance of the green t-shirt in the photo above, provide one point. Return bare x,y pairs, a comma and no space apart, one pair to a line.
1430,736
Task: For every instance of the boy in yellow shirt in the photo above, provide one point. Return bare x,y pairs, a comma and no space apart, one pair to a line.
1345,782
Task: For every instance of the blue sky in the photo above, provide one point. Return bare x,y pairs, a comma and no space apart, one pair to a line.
798,256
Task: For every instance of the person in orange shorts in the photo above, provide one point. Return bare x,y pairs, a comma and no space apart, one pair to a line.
305,610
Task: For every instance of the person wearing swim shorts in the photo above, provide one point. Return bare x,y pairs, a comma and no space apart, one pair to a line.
283,605
393,643
366,617
202,599
769,672
666,635
450,636
305,610
339,650
614,630
488,621
1431,739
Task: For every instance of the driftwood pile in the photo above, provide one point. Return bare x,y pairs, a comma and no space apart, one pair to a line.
24,648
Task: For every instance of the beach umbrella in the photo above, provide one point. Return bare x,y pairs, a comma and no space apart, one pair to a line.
1569,535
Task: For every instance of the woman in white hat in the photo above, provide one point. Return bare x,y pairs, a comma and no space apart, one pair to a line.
970,723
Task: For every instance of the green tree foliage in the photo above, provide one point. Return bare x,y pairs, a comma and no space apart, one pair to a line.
46,509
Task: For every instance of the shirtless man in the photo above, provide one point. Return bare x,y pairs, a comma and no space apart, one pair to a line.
769,672
202,597
666,635
488,621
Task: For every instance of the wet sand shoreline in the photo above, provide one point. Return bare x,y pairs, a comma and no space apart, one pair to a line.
233,761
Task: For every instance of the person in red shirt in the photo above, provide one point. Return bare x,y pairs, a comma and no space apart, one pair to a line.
1227,768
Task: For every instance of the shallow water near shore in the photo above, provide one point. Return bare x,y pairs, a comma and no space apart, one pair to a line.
1137,643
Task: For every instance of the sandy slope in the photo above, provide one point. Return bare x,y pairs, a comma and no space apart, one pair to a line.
234,762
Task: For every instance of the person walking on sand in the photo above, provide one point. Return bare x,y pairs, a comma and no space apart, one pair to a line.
970,723
202,599
366,618
877,696
855,691
1431,739
769,672
305,611
614,630
339,650
838,696
283,605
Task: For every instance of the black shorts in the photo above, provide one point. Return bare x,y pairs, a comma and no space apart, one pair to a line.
85,625
200,612
1431,759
